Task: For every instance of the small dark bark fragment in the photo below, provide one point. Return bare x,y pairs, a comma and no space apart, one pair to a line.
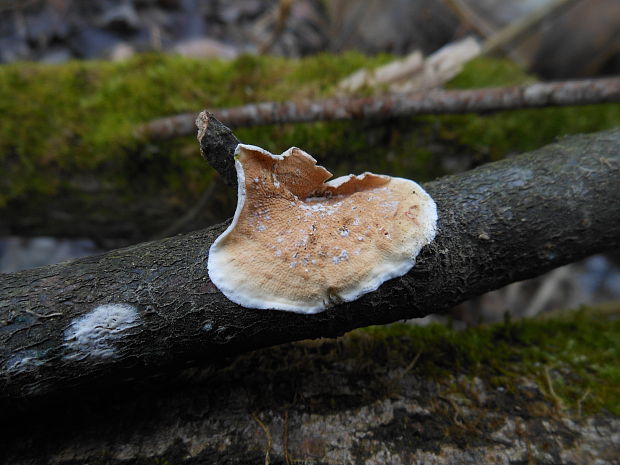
500,223
217,146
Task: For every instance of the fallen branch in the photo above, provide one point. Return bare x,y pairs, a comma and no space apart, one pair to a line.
470,18
282,13
518,29
539,95
497,41
134,312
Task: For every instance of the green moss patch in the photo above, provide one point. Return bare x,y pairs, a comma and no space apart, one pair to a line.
62,120
568,364
574,359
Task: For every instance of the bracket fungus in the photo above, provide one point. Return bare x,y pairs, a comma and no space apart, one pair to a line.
302,244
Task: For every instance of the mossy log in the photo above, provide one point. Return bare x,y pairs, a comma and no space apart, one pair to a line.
72,166
542,391
132,312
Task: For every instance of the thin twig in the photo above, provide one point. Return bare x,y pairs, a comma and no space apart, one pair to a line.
470,17
267,433
557,399
562,93
580,401
287,459
455,417
518,29
411,364
284,11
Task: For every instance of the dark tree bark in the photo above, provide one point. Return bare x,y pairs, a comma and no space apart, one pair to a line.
135,208
109,220
217,146
500,223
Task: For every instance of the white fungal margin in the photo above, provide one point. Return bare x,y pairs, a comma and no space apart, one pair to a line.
96,334
255,148
339,181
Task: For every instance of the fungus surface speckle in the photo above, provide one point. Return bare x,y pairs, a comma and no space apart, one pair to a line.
350,234
96,333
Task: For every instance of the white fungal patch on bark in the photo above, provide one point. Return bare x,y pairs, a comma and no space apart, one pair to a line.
96,333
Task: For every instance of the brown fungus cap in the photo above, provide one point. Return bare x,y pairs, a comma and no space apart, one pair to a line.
301,244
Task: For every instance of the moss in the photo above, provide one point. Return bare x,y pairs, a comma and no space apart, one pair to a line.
490,72
79,117
493,136
574,358
65,122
